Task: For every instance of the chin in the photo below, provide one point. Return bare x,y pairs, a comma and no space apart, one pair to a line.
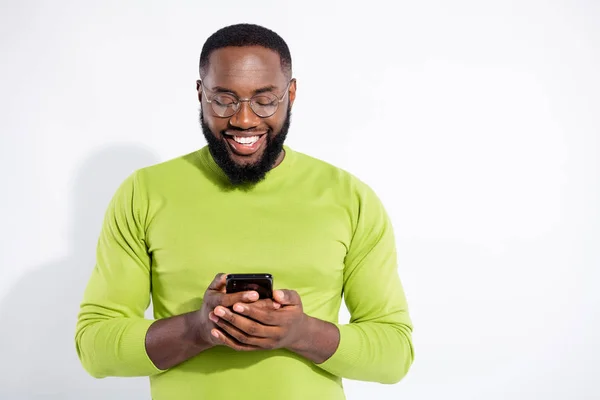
244,161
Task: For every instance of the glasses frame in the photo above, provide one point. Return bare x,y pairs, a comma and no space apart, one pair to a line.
209,100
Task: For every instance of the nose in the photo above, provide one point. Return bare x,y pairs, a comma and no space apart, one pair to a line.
245,118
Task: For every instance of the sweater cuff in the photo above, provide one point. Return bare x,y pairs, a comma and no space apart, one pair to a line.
133,348
346,356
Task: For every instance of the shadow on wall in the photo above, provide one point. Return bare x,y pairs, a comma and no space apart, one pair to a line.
38,315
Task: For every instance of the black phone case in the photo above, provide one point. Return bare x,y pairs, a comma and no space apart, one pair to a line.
261,283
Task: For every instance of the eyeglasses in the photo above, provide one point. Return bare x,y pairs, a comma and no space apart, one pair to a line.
226,105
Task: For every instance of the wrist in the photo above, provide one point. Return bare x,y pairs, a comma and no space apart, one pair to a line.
306,330
317,341
197,333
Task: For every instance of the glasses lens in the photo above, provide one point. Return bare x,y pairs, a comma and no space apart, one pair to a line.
224,105
264,105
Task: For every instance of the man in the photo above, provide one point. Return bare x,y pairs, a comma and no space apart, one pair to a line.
245,203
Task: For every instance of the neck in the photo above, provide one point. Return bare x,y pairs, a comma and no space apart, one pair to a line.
279,159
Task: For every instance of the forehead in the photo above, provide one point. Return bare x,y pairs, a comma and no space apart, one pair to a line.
243,69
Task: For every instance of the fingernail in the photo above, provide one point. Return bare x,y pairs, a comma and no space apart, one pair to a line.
276,306
279,294
220,312
214,333
252,296
213,318
238,308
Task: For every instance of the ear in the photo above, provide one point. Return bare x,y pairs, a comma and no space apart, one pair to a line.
199,90
292,92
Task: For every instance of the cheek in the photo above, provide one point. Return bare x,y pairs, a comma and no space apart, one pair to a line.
276,122
216,125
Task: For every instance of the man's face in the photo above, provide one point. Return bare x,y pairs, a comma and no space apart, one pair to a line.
245,145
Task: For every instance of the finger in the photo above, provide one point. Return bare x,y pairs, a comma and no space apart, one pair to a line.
271,305
241,322
219,282
287,297
263,315
228,300
227,340
266,304
242,337
213,317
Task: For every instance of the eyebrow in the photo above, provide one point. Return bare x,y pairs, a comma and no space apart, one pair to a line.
264,89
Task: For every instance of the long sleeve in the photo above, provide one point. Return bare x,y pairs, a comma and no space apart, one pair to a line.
377,343
111,328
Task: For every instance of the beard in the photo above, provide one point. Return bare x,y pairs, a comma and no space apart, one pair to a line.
239,174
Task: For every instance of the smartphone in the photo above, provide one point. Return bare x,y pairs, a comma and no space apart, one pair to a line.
261,283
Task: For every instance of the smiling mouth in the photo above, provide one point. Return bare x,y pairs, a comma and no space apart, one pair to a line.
244,145
246,140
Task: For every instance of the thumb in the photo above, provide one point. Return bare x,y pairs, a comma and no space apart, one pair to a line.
287,297
218,284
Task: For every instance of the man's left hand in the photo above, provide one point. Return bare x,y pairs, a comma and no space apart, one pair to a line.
255,328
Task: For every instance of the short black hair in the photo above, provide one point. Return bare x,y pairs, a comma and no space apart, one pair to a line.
242,35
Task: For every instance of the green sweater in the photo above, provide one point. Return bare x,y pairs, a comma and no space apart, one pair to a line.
170,228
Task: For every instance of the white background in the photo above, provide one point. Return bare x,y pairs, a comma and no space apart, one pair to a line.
477,123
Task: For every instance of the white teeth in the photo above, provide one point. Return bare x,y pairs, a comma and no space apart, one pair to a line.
246,140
